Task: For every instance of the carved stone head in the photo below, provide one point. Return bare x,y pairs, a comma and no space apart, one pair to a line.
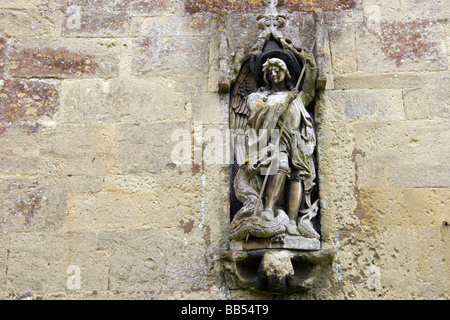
275,70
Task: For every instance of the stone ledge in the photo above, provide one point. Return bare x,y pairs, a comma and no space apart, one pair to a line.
290,242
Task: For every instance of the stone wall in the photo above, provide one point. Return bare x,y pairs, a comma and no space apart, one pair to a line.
93,94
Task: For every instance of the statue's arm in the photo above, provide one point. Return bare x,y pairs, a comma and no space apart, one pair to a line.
309,85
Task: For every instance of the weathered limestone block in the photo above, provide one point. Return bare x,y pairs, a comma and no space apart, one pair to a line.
166,180
364,105
32,205
403,143
64,58
130,100
403,207
421,177
165,43
336,177
85,21
172,26
151,99
26,100
127,100
433,10
373,176
401,46
351,15
437,85
141,147
20,149
401,264
431,253
78,149
39,262
28,23
86,101
39,204
214,206
376,11
36,263
94,262
210,109
343,49
142,199
169,55
433,267
150,209
145,260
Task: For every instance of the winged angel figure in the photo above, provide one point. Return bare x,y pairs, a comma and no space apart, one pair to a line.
275,140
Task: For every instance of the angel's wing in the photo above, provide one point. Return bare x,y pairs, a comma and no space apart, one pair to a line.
239,114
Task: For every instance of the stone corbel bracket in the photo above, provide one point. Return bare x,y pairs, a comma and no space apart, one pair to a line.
277,271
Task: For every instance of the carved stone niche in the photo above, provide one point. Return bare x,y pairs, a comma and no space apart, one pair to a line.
274,203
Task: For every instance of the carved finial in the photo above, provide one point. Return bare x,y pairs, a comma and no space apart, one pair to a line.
271,21
274,3
271,5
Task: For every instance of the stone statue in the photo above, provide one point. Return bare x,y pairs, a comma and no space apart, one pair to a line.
275,246
276,165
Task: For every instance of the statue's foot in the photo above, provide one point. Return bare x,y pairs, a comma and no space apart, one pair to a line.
291,228
267,215
307,230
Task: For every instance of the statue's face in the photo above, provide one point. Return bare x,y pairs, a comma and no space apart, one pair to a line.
276,74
